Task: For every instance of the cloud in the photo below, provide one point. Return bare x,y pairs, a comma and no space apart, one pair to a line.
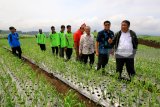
147,25
29,15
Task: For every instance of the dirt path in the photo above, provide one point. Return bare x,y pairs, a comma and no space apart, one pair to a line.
150,43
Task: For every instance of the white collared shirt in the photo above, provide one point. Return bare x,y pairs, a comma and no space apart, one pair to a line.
125,46
87,44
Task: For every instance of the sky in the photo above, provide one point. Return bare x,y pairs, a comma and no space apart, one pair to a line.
30,15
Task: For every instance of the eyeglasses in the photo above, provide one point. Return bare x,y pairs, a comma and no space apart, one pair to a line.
107,25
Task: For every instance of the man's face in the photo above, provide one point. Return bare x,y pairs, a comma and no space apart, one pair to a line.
63,29
82,29
69,29
87,30
107,26
124,27
14,30
53,29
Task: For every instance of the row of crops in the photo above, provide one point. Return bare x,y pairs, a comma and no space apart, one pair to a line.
151,38
143,90
3,35
20,86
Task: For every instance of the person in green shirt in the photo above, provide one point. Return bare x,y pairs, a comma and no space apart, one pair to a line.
62,41
69,42
55,40
41,40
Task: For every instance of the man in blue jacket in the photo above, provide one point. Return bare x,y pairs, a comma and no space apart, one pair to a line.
13,40
103,48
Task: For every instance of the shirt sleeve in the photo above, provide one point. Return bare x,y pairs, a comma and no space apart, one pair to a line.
9,40
59,39
98,37
44,39
17,35
93,43
75,37
81,44
67,42
112,35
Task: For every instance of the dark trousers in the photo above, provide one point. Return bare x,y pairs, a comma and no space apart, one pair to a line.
69,53
61,53
80,58
43,47
102,61
86,56
18,49
53,50
120,61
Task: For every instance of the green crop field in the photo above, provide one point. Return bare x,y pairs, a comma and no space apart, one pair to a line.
142,91
153,38
3,35
21,87
21,35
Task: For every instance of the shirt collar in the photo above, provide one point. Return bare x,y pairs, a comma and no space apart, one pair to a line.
107,31
88,35
125,32
12,33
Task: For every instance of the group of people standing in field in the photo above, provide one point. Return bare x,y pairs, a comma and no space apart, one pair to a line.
60,42
124,43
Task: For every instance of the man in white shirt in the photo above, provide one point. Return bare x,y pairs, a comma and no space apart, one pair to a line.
126,44
87,44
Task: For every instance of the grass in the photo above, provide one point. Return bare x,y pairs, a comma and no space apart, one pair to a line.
21,35
153,38
146,63
20,86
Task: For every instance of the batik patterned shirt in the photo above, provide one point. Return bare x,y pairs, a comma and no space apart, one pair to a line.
87,44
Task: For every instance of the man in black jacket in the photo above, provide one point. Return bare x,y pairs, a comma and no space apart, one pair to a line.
126,43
